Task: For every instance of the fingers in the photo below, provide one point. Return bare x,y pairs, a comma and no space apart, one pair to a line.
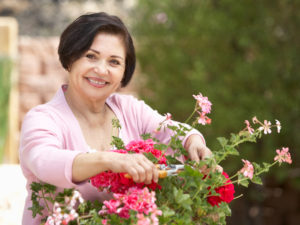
219,168
199,153
197,149
140,169
205,153
194,155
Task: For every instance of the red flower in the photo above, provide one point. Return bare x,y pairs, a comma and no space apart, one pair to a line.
226,193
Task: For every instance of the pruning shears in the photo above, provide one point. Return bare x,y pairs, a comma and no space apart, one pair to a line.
165,170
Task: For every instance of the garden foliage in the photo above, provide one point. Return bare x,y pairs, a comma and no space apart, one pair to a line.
244,55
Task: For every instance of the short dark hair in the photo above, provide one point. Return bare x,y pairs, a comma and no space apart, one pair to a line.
78,37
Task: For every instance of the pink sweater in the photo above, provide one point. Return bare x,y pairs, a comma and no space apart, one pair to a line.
51,138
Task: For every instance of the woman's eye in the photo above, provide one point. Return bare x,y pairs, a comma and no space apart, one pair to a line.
90,56
115,62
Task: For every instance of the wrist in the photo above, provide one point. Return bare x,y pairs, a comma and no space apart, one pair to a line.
103,160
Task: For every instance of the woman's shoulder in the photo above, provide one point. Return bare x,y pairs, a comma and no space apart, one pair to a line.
40,116
53,109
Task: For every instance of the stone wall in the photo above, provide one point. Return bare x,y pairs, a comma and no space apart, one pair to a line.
40,73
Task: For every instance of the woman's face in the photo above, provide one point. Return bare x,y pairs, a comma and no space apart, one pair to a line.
99,72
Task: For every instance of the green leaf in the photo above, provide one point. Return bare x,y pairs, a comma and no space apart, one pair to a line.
49,188
118,142
36,208
266,166
223,141
160,146
234,138
167,212
146,136
151,157
257,180
182,199
116,123
243,180
231,150
257,167
36,187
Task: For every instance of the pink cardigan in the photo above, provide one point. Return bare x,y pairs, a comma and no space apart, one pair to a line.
51,138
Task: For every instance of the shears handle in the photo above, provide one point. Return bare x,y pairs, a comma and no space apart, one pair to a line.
161,174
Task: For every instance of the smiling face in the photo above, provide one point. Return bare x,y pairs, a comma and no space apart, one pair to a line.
99,71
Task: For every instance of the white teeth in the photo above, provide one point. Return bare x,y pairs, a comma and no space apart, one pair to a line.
96,82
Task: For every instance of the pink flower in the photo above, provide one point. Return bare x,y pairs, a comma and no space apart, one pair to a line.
142,220
164,124
248,169
266,127
278,125
58,218
111,206
203,103
139,200
283,156
255,120
203,119
249,128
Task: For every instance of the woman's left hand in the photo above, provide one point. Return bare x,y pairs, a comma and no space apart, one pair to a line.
197,151
196,148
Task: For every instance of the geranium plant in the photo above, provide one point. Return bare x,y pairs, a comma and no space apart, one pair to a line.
198,193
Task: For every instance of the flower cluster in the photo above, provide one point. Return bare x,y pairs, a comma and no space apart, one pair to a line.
117,182
265,126
248,169
203,107
139,200
226,193
146,146
64,213
283,156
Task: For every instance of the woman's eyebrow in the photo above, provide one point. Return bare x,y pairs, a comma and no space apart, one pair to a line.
95,51
116,56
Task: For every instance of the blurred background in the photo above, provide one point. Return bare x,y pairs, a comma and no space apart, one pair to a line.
243,55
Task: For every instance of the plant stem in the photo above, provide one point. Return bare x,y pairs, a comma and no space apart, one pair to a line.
236,144
195,109
44,198
238,196
230,178
256,174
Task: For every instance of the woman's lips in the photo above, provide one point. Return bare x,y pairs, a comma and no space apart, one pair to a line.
96,82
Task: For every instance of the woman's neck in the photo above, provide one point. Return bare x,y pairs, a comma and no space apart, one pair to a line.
91,112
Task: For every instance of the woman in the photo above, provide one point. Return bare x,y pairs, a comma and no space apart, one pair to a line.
57,137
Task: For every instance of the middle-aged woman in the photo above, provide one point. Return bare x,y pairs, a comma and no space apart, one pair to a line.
67,140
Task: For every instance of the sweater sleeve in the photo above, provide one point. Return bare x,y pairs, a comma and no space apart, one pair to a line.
149,120
42,151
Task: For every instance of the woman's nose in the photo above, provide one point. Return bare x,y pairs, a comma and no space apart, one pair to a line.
101,68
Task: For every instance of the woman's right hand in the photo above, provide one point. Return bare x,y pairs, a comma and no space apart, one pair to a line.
136,165
86,165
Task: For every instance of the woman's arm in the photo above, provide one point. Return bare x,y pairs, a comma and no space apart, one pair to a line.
43,154
138,166
148,120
